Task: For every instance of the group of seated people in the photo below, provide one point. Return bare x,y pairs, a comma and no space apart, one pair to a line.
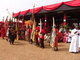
65,36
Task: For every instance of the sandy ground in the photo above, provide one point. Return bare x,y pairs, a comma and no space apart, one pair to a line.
23,50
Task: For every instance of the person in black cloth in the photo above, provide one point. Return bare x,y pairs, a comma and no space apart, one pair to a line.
12,35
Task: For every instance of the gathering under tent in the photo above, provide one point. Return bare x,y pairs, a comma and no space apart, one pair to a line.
47,23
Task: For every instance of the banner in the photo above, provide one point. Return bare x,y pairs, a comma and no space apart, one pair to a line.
52,43
34,31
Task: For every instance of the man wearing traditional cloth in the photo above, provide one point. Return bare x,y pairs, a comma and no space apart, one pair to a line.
3,32
74,46
56,39
12,35
29,35
37,35
42,38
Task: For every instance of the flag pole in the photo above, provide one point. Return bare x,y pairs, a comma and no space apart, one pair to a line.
34,25
3,19
17,28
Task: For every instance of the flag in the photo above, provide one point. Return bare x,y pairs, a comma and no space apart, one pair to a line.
6,24
40,25
45,21
34,31
64,20
11,23
16,26
34,26
23,20
45,24
52,43
17,29
40,28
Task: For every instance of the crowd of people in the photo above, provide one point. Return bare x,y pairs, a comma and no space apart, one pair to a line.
71,36
10,34
39,36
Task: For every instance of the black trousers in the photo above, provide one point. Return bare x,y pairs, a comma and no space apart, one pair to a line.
11,41
37,42
42,43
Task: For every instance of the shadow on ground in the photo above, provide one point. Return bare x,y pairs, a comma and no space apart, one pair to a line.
19,43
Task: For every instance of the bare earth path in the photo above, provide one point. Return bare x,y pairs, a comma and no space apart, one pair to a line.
23,50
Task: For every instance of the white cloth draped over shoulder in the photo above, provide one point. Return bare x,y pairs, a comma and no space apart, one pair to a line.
69,38
74,45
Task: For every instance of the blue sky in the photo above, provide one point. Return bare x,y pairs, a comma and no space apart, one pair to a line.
21,5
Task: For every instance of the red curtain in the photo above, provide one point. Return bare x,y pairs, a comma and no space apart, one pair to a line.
73,3
36,10
24,12
16,14
52,7
49,7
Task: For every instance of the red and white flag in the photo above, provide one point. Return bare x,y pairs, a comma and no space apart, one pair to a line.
45,21
64,20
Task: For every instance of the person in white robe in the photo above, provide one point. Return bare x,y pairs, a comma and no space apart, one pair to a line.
79,37
74,45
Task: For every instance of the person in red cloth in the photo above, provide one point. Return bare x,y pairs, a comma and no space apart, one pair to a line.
60,36
29,34
37,35
66,35
42,38
3,32
56,39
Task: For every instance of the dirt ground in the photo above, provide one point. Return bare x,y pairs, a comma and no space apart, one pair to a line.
23,50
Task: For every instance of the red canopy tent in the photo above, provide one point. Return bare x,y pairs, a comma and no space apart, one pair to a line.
74,3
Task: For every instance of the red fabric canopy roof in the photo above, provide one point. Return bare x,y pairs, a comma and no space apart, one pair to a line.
16,14
52,7
24,12
49,7
36,10
73,3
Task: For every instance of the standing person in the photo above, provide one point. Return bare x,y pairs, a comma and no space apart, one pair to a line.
12,36
79,37
42,38
74,46
37,35
3,32
29,34
26,34
66,35
7,33
60,36
56,39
